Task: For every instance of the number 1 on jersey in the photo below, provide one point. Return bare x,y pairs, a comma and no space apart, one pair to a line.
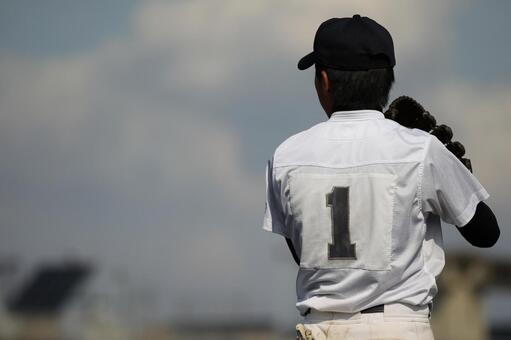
341,248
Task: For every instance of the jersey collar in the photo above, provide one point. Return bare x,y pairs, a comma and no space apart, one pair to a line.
356,115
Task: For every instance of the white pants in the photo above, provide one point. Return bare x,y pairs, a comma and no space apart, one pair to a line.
397,322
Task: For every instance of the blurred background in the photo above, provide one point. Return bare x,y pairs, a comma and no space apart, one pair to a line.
133,141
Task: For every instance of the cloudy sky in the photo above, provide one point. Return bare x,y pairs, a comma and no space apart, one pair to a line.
135,134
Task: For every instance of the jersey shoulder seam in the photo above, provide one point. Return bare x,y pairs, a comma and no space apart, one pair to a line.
344,167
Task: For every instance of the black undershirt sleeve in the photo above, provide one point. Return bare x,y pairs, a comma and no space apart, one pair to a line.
482,230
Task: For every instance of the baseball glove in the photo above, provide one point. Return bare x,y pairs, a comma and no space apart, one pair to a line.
409,113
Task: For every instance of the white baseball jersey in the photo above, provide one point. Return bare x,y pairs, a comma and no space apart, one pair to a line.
361,198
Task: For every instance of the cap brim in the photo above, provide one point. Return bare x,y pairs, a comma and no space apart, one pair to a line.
307,61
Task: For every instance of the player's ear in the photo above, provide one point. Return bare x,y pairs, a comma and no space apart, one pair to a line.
326,81
323,81
324,90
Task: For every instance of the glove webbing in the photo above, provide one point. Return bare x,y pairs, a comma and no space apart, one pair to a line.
409,113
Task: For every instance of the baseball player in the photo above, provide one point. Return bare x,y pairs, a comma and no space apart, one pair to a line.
359,198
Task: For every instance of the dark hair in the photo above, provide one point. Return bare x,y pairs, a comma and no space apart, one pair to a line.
357,90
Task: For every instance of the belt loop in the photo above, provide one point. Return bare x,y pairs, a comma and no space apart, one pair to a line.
307,312
430,307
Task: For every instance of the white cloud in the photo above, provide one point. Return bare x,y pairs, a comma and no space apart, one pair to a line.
478,115
210,43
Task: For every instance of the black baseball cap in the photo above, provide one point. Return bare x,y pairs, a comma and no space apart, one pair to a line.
357,43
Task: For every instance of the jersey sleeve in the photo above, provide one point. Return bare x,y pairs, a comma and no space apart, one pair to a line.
448,189
274,219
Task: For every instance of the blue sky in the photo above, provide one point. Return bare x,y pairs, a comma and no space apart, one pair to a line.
41,29
136,133
481,49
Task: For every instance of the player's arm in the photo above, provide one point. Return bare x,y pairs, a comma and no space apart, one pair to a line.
482,230
293,251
